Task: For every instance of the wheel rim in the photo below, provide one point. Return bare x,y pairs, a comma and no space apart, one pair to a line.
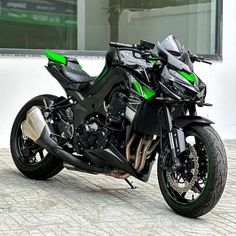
176,186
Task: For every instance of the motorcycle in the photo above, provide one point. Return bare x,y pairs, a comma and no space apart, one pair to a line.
141,107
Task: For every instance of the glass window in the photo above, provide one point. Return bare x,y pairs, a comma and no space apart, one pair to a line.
38,24
90,24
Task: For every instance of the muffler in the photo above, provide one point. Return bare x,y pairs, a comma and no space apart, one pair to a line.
34,124
36,128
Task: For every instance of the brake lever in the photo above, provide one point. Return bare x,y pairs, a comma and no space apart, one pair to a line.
203,103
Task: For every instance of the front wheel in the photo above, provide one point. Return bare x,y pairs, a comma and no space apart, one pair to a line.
196,188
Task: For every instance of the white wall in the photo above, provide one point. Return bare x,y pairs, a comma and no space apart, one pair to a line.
221,80
23,78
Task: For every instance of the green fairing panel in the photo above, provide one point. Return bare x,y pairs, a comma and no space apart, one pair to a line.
137,87
55,57
144,91
190,77
148,93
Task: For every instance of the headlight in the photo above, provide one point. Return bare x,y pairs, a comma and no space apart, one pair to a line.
180,90
177,86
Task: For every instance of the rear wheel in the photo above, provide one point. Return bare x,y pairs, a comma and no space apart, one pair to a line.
197,187
32,160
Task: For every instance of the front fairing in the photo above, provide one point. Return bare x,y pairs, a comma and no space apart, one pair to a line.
179,87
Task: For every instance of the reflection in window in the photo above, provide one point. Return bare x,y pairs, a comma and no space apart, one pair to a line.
91,24
37,24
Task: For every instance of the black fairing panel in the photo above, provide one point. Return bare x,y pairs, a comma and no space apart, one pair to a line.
110,157
115,76
94,96
149,118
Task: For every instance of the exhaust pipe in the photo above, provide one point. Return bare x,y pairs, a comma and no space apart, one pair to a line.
34,124
36,128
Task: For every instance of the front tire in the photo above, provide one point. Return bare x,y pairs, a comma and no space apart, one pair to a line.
212,161
40,165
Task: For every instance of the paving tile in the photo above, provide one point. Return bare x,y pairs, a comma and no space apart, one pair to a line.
74,203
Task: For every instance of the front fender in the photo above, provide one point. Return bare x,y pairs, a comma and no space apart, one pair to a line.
184,121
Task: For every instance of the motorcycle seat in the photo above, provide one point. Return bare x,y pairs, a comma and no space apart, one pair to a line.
74,72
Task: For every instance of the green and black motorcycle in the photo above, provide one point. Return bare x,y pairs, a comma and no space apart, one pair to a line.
141,106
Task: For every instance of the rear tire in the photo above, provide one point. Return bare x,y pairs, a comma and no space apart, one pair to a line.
50,165
215,180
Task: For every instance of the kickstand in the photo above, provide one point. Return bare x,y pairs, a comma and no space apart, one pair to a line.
130,184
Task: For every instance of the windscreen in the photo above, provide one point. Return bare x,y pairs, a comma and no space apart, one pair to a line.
172,45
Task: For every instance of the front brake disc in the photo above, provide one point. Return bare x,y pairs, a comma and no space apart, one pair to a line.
184,187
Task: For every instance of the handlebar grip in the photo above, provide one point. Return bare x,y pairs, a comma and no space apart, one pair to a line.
199,59
207,62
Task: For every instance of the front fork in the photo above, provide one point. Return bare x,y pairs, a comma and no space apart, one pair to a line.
176,139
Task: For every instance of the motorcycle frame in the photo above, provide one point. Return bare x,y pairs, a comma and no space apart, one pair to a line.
90,101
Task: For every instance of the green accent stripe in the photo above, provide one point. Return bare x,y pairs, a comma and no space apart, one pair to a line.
55,57
103,73
154,62
190,77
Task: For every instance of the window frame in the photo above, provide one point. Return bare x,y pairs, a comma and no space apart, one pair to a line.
90,53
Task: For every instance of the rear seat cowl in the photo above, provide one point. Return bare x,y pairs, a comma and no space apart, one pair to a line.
55,57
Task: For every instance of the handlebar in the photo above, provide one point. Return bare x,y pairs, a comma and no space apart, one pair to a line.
142,46
145,47
120,45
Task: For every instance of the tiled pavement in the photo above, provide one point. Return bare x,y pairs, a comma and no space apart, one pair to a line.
74,203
